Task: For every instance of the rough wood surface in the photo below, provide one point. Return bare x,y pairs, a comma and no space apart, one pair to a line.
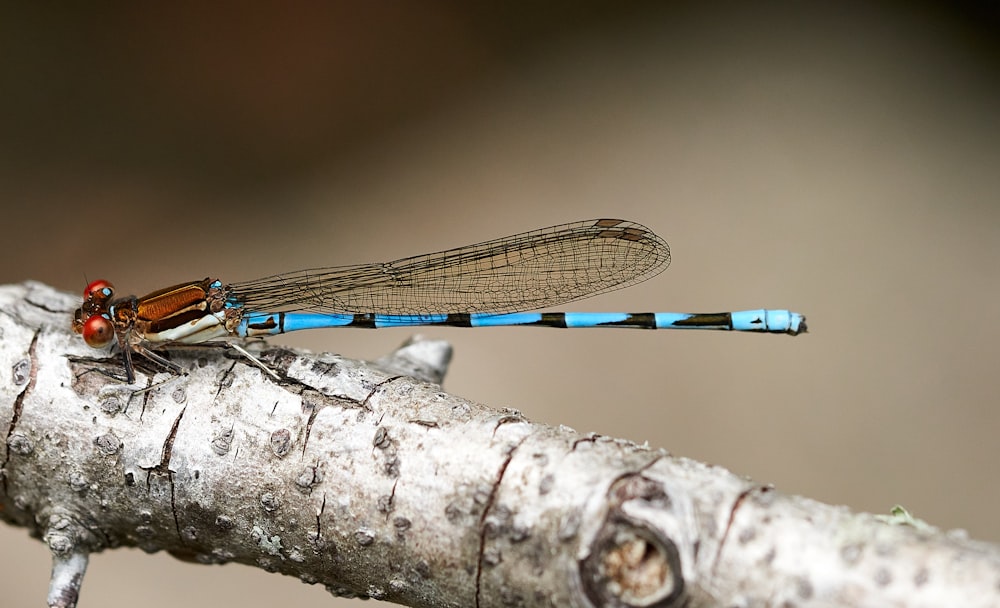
369,479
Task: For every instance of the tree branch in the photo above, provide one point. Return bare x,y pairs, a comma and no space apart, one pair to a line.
369,479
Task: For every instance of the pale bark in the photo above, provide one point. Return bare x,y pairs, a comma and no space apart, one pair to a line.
367,478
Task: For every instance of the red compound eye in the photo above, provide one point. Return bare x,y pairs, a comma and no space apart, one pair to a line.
98,331
98,291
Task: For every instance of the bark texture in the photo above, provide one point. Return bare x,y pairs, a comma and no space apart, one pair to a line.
369,479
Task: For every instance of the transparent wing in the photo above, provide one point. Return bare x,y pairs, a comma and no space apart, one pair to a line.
523,272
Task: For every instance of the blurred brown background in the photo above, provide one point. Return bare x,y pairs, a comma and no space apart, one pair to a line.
840,161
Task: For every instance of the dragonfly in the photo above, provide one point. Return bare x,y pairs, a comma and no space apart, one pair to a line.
501,282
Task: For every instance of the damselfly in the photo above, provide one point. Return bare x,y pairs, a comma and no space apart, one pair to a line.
495,283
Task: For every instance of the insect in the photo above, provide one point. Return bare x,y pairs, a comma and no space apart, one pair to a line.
502,282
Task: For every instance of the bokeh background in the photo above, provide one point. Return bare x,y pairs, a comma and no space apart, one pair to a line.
841,160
